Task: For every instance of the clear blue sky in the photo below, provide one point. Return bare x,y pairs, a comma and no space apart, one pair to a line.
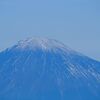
74,22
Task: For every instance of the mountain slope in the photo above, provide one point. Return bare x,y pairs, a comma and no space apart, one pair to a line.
45,69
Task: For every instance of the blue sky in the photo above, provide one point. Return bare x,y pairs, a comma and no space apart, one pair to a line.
74,22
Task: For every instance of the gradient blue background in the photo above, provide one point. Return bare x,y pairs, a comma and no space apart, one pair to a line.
74,22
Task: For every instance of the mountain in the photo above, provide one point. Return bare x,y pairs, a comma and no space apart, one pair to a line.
45,69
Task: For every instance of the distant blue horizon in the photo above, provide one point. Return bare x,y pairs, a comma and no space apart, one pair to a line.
76,23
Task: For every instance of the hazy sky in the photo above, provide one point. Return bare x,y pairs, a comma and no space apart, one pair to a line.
74,22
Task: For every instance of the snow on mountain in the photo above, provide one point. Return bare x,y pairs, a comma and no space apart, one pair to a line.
43,43
45,69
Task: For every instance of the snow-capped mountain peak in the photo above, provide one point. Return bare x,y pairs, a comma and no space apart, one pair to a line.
45,69
42,43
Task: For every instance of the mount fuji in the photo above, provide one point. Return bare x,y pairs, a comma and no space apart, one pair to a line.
45,69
